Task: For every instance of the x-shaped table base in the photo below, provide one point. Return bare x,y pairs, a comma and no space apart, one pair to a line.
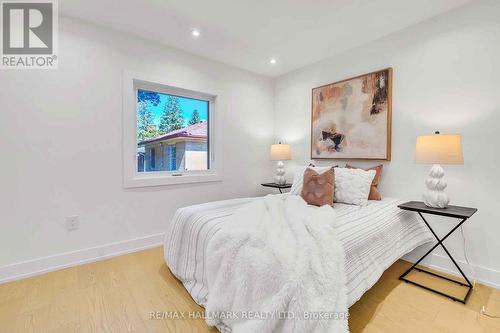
440,243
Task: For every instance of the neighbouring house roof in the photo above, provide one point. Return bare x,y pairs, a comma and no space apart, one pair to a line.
196,131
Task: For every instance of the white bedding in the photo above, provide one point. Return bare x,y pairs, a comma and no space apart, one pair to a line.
277,256
373,236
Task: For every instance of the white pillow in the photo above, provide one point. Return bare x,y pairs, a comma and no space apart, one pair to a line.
298,179
352,186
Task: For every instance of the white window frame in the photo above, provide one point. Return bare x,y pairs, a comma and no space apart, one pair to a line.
131,177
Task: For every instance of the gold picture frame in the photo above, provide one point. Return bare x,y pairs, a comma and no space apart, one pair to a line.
352,118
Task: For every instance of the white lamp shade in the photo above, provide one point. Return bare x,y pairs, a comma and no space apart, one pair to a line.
439,149
281,152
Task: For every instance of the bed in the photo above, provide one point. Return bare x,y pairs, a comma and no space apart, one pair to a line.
374,237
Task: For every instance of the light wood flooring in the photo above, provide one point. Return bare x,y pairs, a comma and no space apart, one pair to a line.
119,294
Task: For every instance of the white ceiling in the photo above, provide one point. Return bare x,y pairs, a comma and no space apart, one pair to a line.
247,33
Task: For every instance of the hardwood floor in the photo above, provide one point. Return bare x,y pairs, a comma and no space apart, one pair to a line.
119,294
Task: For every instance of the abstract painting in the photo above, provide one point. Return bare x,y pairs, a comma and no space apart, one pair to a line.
351,119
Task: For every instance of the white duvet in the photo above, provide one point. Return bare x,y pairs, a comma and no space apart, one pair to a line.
373,237
273,259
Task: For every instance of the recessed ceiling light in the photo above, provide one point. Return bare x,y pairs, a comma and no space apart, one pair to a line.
272,61
195,33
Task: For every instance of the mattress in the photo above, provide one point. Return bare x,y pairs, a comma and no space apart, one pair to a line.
373,236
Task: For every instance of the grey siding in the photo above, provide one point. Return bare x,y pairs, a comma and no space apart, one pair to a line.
161,155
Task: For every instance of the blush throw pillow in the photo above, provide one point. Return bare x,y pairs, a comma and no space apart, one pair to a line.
318,188
374,193
298,179
352,186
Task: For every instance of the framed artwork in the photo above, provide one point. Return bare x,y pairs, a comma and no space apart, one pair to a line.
351,119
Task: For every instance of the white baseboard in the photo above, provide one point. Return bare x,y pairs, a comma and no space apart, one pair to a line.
481,274
47,264
25,269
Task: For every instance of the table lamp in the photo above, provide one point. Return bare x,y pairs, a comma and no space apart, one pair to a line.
438,149
280,153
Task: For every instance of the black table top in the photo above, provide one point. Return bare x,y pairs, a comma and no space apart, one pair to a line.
450,211
287,185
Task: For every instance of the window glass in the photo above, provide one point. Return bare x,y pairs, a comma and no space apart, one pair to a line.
172,132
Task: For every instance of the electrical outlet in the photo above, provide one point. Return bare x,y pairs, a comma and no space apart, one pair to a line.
72,223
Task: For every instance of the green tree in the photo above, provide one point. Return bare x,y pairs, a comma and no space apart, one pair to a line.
195,118
146,128
148,97
171,118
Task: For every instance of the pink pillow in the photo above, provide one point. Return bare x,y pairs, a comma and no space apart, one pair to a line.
318,188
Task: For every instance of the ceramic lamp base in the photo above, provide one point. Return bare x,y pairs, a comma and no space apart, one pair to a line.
435,196
279,178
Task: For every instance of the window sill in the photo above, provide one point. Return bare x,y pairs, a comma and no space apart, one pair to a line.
154,179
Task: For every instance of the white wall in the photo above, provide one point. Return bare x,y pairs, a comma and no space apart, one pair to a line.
446,77
61,137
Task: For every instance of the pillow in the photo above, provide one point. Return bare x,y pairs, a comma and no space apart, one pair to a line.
352,186
317,189
298,179
374,193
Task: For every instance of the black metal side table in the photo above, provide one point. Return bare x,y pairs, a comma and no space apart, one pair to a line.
462,213
278,186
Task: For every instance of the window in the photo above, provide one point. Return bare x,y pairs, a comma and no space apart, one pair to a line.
172,158
152,159
172,125
173,137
